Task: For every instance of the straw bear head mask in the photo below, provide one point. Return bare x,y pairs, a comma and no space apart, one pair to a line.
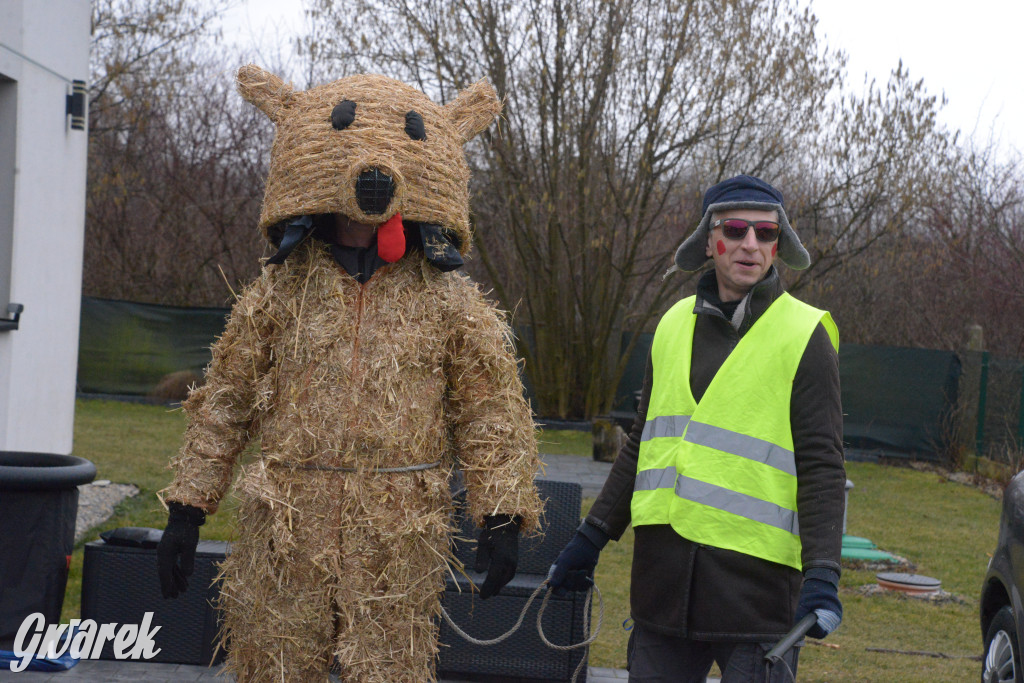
369,147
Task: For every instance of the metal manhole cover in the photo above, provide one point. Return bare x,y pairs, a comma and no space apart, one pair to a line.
908,583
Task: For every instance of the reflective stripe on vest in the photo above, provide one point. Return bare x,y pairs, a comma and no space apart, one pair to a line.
666,425
721,439
723,472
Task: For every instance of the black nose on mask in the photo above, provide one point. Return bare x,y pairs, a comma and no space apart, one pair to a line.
374,191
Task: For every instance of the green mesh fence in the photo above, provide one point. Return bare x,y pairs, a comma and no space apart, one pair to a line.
897,402
132,349
996,387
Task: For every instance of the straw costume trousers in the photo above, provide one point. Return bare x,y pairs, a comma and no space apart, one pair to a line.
334,577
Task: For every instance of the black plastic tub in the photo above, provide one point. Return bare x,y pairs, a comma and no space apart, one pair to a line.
38,507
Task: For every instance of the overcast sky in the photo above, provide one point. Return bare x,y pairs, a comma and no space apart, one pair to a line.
969,49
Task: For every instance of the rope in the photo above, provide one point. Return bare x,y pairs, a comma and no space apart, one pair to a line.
588,638
373,470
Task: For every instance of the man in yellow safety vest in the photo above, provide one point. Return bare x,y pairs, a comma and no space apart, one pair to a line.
733,474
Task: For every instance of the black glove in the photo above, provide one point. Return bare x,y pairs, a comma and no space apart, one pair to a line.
573,570
497,553
820,594
179,540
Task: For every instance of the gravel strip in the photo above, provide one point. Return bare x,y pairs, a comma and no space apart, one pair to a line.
96,503
939,597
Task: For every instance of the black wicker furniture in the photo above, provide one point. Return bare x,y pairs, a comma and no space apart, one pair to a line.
522,658
120,584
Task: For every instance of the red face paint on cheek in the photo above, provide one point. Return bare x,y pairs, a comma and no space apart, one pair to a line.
721,247
775,248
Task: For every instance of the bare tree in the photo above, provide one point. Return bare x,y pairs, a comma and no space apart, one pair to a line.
977,213
176,160
173,204
143,50
868,173
954,258
617,113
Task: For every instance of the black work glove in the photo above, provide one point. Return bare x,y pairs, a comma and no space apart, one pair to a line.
573,569
497,553
176,552
820,594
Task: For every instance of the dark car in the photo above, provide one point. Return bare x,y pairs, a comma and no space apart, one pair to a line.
1002,613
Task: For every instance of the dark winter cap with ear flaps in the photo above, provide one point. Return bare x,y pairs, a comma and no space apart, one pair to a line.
741,192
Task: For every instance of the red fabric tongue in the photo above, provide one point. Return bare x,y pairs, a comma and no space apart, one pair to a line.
391,239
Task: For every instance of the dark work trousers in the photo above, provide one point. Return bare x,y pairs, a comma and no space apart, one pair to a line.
655,658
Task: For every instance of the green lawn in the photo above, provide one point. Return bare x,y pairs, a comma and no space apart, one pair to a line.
946,529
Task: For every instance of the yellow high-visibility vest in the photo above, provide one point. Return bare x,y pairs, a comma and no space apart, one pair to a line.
722,472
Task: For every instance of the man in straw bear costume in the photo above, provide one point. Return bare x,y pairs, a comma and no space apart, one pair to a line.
368,370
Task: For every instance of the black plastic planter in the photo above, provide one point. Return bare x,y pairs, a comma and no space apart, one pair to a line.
38,506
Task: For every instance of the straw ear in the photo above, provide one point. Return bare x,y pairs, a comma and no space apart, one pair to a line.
263,89
474,109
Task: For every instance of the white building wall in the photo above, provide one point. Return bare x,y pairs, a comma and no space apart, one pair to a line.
43,46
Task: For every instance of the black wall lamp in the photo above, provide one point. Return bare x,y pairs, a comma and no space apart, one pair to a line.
75,104
12,322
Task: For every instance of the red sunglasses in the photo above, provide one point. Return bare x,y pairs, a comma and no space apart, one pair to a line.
736,229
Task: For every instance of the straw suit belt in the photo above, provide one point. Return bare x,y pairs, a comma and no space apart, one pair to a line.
374,470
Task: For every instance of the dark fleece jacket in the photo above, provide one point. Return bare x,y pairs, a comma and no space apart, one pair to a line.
685,589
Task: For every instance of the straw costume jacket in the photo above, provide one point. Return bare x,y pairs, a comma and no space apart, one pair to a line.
681,588
362,393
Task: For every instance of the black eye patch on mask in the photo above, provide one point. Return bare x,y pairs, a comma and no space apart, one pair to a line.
414,126
343,114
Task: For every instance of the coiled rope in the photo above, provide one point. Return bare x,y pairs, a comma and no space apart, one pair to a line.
588,638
